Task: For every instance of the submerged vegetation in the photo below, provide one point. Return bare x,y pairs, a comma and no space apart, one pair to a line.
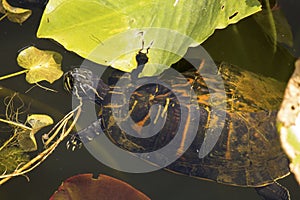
13,158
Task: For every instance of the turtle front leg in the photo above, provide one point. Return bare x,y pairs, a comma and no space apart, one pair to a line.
273,191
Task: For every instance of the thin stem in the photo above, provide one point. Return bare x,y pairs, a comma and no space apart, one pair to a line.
14,74
3,16
15,124
45,88
8,141
272,25
58,129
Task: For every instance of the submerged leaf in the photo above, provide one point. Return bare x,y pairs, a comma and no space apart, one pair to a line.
41,65
289,121
84,186
26,138
11,158
26,141
14,14
275,26
113,30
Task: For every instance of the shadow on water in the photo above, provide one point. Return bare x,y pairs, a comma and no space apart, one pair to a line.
64,163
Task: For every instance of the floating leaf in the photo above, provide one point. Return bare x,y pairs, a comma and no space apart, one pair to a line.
84,186
113,30
18,15
41,65
289,121
26,138
38,121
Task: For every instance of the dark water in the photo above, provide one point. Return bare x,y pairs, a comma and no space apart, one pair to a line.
62,164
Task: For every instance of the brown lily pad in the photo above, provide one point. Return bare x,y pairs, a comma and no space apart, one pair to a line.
84,186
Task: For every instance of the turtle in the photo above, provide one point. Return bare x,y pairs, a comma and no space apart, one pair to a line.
247,153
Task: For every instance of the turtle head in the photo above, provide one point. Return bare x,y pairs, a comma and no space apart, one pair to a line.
81,83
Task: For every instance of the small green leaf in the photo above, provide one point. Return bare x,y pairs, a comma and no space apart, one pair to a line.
14,14
26,138
27,141
41,65
288,120
38,121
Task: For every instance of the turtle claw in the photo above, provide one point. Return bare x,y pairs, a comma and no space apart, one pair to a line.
74,143
273,191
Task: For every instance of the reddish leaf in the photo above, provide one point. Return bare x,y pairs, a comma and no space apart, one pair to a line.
84,186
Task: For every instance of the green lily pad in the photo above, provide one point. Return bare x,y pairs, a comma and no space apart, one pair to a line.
26,138
41,65
288,120
14,14
113,30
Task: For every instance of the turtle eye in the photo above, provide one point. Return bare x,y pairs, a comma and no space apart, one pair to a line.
68,82
80,82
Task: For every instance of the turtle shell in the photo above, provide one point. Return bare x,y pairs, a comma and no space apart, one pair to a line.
247,153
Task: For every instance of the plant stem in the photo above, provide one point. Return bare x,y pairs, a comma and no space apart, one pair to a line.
7,142
272,25
13,74
15,124
3,16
